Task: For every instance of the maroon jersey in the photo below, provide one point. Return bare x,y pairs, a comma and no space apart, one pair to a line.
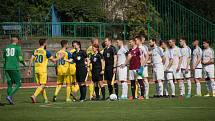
135,59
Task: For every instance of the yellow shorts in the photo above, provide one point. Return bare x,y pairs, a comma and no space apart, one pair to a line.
63,79
41,78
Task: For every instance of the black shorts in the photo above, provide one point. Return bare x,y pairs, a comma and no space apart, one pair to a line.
108,74
81,73
96,76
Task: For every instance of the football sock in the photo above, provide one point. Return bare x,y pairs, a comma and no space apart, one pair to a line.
38,90
9,87
57,90
116,89
198,88
181,83
97,92
172,85
91,89
189,87
110,89
146,83
136,90
124,89
15,89
160,92
133,87
68,90
84,92
81,92
166,87
156,88
103,92
142,86
75,88
44,94
208,84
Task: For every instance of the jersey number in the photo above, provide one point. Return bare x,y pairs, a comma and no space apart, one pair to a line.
39,59
10,51
61,62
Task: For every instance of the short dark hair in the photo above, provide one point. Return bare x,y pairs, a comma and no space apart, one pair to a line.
138,37
63,42
183,38
154,39
206,41
77,42
173,39
161,42
103,45
93,39
109,39
42,41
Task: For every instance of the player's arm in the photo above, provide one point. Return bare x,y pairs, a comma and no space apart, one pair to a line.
115,59
20,56
103,65
170,59
30,65
211,61
180,60
146,58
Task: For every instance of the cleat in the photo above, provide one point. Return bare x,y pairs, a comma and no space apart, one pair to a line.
46,101
207,95
33,99
198,95
147,97
74,98
54,99
82,101
10,100
173,96
68,100
156,96
140,98
130,98
188,96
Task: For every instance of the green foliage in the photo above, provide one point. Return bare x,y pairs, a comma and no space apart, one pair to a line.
141,12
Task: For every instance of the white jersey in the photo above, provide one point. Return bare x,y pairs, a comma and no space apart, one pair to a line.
186,53
207,55
157,54
168,54
197,52
121,56
144,50
176,55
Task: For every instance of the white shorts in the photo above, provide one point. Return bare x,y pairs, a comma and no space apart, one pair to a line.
145,71
133,75
198,73
209,72
122,74
168,75
185,74
158,73
177,74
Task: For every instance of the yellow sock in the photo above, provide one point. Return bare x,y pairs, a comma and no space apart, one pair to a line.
136,91
57,90
38,90
91,89
44,94
68,90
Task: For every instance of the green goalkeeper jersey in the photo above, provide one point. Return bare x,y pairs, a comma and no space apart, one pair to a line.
12,56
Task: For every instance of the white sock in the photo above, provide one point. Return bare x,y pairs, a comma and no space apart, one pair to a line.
172,85
124,89
160,88
146,83
189,87
198,89
213,85
166,87
181,87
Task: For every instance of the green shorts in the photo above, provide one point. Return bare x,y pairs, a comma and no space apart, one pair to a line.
13,76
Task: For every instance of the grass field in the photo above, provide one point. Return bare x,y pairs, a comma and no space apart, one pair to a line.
194,109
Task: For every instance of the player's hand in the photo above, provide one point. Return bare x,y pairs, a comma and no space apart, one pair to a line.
114,70
102,72
29,72
193,67
178,69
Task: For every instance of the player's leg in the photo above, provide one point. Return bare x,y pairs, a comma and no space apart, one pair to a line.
80,77
159,77
172,84
9,83
166,85
122,74
74,87
211,75
96,87
189,84
146,82
156,84
90,83
208,83
142,87
197,77
60,79
133,83
180,80
108,78
68,88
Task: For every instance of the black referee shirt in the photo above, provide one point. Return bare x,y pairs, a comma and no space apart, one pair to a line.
96,61
79,58
108,55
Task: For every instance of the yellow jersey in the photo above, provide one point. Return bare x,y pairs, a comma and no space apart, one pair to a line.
72,64
62,65
41,57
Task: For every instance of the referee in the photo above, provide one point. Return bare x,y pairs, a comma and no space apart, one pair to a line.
110,57
80,58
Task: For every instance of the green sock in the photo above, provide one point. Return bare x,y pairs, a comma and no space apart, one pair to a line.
18,85
9,87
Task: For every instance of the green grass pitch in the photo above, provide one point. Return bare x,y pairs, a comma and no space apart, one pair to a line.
163,109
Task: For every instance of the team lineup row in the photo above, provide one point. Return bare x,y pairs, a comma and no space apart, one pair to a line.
75,67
